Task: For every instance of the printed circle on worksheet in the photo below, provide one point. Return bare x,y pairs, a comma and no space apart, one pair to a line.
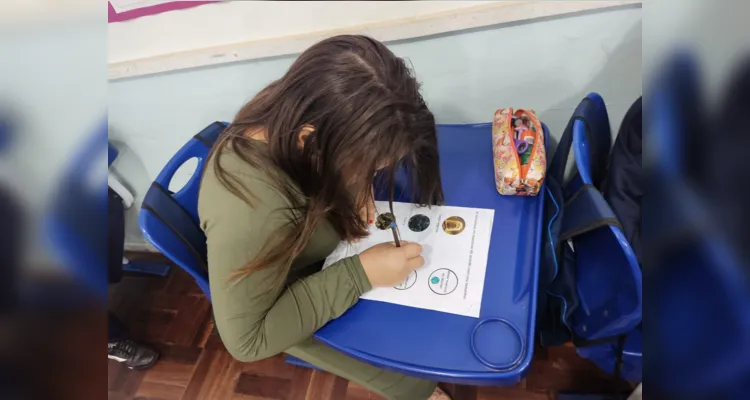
409,282
383,221
419,223
443,281
454,225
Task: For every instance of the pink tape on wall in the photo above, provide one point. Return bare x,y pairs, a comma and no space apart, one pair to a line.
115,16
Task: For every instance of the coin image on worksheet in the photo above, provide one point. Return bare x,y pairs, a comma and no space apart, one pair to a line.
419,223
383,221
454,225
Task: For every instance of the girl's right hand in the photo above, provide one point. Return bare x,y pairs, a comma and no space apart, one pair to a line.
387,265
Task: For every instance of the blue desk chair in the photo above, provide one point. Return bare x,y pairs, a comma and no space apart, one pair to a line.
169,221
608,276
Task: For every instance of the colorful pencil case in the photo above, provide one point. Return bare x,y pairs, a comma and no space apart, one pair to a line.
519,152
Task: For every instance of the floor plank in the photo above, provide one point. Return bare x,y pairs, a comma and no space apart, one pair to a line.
300,383
263,386
159,390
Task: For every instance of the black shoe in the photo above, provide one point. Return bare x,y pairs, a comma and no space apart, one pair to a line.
134,355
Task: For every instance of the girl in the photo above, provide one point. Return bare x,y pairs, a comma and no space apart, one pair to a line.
290,178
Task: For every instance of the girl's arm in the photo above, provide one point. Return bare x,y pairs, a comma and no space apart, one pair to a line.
255,321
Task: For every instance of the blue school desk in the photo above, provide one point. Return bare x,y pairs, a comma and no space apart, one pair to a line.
497,347
494,349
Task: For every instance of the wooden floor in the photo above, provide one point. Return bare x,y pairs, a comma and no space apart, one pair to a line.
172,314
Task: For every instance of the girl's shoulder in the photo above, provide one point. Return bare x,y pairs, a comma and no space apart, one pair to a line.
234,185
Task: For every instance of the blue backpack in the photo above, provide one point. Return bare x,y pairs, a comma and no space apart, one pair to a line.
590,279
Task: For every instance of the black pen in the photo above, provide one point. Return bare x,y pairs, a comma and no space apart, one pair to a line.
396,234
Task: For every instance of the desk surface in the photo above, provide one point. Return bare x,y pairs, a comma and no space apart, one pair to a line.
437,345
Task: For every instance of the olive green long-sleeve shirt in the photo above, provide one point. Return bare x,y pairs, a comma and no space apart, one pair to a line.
253,321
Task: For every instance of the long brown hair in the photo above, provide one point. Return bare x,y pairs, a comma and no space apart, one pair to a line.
368,117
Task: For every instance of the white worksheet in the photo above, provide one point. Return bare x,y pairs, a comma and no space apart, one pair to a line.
455,241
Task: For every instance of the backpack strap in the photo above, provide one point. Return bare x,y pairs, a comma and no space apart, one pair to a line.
585,211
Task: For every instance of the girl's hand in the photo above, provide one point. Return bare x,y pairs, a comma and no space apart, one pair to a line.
387,265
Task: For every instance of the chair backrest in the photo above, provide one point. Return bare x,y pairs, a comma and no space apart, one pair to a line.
608,276
169,221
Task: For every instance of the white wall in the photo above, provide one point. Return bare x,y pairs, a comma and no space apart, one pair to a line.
225,32
547,64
